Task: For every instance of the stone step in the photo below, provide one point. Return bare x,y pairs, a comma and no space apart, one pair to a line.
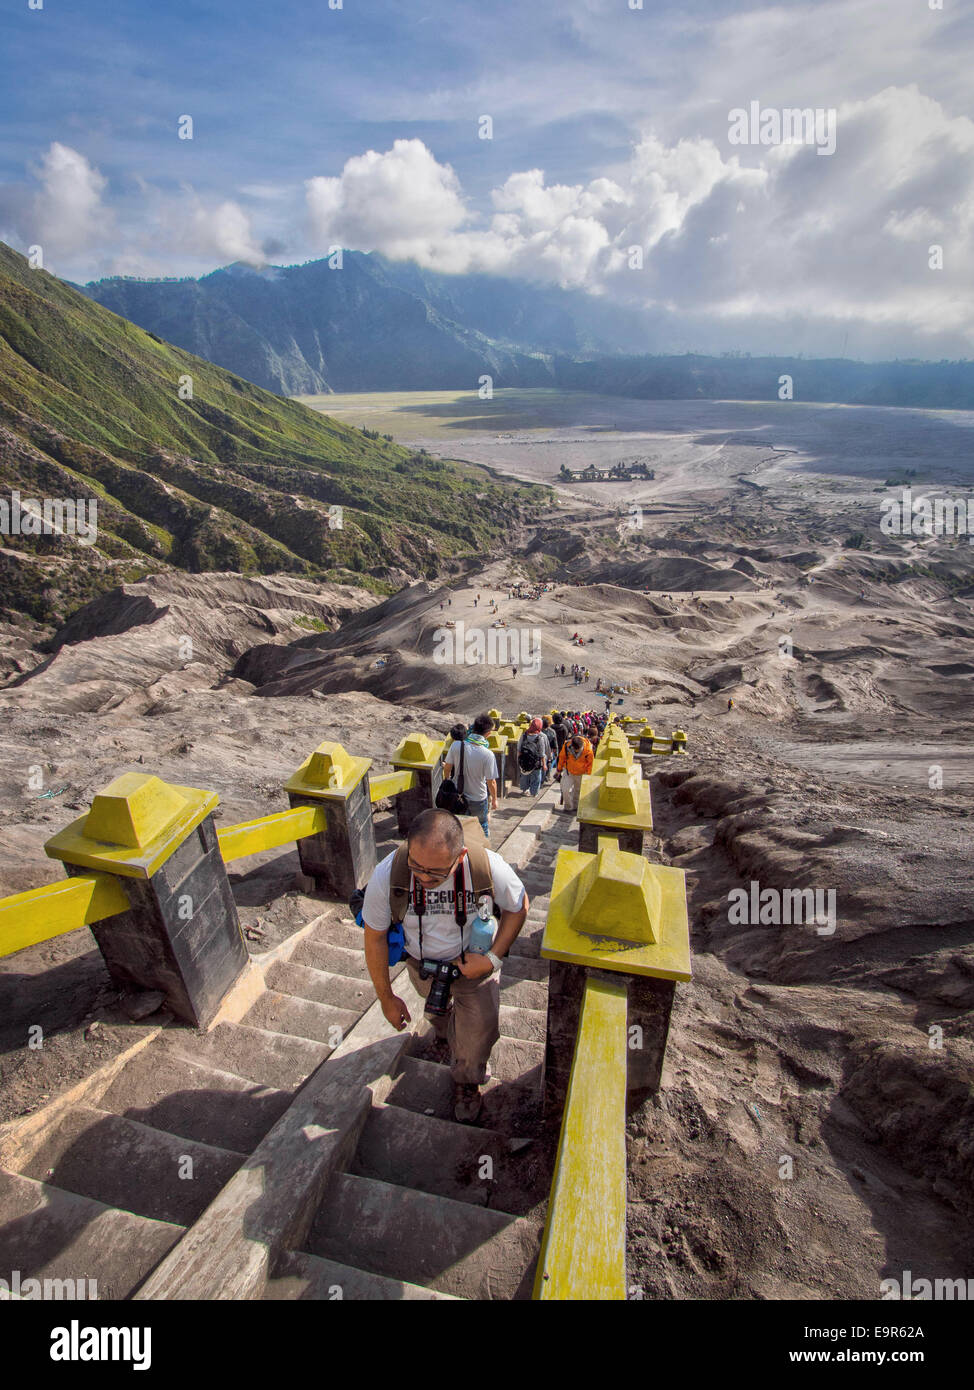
337,933
452,1247
514,1058
335,960
302,1276
320,985
523,994
528,944
529,1024
129,1165
523,968
540,897
463,1162
509,1107
195,1100
303,1018
47,1233
257,1054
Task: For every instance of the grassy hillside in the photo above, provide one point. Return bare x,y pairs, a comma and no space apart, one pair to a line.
234,478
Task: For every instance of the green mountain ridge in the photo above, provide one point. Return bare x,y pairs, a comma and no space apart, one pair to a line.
234,478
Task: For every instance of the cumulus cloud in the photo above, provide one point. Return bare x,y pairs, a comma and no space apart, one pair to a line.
402,202
694,227
61,209
68,206
690,227
221,229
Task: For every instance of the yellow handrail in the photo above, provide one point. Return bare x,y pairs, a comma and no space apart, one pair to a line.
55,908
269,832
583,1251
391,784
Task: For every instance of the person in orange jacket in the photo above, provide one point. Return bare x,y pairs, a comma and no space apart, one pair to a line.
574,761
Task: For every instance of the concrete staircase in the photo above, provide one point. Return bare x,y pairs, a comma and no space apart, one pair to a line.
106,1181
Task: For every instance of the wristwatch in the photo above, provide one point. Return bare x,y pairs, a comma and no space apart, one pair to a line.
494,960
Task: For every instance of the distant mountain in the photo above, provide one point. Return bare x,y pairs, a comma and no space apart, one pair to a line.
380,325
371,325
233,478
920,385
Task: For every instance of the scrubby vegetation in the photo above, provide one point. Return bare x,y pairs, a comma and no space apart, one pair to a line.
198,469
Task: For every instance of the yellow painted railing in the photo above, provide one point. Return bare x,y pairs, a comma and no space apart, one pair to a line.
391,784
40,913
269,832
583,1253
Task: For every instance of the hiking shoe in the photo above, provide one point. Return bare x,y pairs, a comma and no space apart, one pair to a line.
467,1101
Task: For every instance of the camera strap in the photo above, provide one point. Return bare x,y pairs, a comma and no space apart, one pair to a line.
459,902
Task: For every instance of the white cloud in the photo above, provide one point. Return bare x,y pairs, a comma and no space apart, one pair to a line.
66,213
221,229
402,202
728,233
63,210
788,232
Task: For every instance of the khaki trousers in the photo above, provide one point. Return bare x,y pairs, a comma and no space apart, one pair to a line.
571,783
471,1027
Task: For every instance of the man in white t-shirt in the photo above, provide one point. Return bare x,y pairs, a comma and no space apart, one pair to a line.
479,769
436,852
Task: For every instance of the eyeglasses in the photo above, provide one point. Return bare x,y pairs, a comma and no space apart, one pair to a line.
437,874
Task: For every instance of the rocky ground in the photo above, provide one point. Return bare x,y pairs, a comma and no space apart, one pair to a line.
813,1133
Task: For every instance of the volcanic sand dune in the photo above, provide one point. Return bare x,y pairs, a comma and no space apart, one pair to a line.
844,766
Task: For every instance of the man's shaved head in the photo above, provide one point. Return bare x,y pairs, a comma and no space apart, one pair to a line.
439,830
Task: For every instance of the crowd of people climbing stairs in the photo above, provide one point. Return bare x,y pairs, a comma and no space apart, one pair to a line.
560,749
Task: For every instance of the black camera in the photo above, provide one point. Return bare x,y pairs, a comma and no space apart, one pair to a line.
442,973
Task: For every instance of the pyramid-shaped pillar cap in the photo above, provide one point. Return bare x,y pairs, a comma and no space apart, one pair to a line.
133,810
330,766
133,826
617,896
619,793
330,771
416,749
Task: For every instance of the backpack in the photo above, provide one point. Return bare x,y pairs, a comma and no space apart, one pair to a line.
400,878
450,796
528,757
395,936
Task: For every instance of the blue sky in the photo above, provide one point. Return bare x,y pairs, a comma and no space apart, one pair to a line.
316,127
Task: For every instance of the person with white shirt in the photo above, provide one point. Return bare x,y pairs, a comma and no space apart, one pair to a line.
439,874
479,770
